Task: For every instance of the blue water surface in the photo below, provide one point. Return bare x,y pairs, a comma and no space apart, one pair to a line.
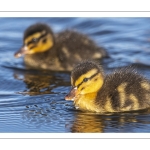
33,101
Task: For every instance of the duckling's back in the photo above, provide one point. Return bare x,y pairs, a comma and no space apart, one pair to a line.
124,90
73,47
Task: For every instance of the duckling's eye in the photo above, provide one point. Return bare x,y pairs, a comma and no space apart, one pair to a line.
85,79
34,40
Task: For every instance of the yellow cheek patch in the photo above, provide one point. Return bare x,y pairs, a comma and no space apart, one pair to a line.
36,35
86,75
40,46
92,85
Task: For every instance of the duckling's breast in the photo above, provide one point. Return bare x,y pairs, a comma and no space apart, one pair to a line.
85,102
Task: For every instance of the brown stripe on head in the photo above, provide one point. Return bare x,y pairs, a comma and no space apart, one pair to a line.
85,67
35,28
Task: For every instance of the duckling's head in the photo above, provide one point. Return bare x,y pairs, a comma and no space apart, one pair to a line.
86,77
37,38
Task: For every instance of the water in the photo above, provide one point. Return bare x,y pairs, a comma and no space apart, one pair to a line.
33,101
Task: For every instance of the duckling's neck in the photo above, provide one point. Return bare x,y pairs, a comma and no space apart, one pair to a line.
46,60
86,102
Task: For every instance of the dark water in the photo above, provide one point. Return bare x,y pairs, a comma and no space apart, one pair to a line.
33,101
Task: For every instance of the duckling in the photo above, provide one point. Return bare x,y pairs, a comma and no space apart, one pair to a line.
45,50
121,91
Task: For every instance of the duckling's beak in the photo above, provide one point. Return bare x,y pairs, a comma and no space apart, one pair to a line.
23,50
72,94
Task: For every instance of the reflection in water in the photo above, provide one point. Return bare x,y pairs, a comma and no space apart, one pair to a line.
36,84
41,82
87,123
117,122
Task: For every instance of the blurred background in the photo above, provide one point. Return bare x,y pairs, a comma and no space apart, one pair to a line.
33,101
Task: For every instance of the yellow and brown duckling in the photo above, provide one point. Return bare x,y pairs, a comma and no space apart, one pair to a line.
123,90
45,50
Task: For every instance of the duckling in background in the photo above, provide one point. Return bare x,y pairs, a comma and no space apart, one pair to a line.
44,50
123,90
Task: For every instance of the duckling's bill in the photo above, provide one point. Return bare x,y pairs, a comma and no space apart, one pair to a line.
23,50
72,94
